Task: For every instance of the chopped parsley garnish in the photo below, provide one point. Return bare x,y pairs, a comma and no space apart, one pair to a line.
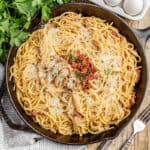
84,69
100,82
44,90
79,75
59,72
84,82
106,71
73,58
102,61
88,71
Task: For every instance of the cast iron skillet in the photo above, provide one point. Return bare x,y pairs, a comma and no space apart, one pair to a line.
138,38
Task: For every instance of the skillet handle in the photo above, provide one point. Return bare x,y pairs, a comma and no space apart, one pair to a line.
8,120
142,35
5,116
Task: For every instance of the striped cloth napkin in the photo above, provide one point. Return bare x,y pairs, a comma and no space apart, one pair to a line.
19,140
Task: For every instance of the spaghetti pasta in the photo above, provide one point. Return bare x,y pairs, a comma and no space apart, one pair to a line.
76,75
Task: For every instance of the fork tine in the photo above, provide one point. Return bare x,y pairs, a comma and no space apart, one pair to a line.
142,114
146,116
147,119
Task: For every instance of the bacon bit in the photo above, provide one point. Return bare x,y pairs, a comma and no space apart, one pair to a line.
138,76
114,34
132,100
91,76
78,53
125,54
85,70
85,22
46,109
96,44
35,112
74,64
76,113
129,68
77,19
86,86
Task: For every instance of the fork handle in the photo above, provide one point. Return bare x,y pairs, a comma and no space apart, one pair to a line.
127,143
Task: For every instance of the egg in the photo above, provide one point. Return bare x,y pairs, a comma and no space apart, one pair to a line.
112,2
133,7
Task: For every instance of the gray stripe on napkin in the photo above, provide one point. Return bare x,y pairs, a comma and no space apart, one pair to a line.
16,140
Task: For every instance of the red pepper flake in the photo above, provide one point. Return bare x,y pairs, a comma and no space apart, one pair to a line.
84,69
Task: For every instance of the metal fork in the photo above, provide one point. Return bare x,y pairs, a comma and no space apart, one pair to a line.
138,125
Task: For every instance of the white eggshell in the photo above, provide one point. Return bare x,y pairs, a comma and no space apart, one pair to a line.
112,2
133,7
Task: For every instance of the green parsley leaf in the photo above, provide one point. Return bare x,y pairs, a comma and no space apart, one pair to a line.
17,37
106,71
2,38
4,24
27,25
45,13
44,90
100,82
3,54
102,61
16,15
66,1
59,72
25,7
3,5
73,58
84,81
60,1
88,71
36,3
79,75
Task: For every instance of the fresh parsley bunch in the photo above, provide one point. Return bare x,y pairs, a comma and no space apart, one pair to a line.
16,15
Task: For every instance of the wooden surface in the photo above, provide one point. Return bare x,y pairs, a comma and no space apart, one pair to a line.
142,140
